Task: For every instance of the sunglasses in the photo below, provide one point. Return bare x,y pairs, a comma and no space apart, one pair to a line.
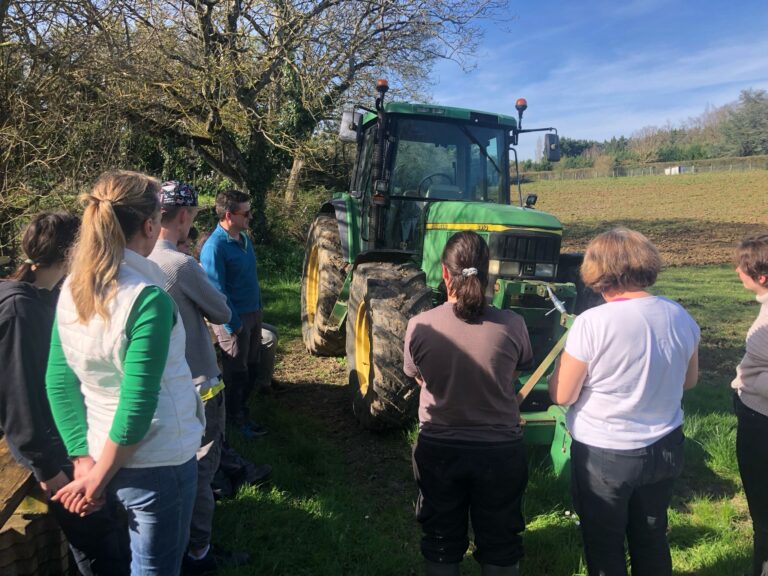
247,213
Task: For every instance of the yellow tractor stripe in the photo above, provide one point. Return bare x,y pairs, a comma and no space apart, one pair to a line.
485,227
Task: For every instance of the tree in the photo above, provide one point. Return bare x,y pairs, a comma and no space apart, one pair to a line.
244,83
746,130
645,143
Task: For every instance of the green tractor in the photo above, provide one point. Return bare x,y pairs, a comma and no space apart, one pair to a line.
424,172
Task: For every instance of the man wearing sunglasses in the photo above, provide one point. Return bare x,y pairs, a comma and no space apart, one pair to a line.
230,262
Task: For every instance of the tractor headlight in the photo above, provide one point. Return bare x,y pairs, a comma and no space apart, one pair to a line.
503,268
545,270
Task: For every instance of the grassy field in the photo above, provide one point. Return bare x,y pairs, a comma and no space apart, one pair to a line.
341,500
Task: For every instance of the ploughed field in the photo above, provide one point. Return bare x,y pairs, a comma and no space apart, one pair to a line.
341,500
693,218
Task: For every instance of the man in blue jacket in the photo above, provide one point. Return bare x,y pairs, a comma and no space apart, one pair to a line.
230,262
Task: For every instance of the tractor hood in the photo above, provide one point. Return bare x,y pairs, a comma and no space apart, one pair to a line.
482,217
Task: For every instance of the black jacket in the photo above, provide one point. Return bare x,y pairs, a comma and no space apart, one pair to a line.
26,319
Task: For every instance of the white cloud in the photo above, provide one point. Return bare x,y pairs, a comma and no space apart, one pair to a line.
586,97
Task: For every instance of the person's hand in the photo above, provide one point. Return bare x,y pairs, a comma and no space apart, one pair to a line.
53,485
82,496
83,465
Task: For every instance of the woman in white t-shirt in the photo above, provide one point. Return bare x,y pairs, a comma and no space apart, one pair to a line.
623,372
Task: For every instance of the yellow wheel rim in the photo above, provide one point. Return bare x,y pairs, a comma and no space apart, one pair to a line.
362,348
313,279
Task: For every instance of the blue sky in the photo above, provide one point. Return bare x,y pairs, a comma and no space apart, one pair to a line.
596,68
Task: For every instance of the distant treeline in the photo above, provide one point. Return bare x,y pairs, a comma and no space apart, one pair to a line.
736,129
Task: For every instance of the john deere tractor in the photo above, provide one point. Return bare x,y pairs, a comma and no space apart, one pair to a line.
424,172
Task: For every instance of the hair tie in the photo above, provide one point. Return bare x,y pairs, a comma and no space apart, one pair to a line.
29,261
467,272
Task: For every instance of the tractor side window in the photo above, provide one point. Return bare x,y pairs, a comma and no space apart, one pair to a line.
484,167
420,166
362,184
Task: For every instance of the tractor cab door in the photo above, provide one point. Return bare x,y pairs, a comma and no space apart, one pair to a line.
362,182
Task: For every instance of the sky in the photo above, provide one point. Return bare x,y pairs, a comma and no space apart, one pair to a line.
595,69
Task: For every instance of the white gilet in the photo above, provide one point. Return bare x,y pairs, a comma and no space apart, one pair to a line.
95,352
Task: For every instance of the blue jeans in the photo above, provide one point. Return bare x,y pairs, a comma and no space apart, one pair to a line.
624,494
159,505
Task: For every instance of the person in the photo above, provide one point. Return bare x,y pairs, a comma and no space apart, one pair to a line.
623,372
750,400
234,470
186,245
27,306
469,457
197,300
119,386
229,260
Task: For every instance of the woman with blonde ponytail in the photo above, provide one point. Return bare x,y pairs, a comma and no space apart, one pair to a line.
469,456
119,386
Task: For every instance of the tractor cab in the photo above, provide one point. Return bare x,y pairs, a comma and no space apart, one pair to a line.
414,155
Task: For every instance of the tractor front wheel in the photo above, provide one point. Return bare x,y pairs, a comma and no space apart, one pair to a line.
382,298
324,272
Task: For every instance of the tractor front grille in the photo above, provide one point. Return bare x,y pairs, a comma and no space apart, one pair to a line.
525,247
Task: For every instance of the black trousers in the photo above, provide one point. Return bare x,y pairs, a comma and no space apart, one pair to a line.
484,481
624,494
752,455
99,542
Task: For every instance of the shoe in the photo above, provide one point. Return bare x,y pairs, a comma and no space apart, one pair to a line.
222,486
254,475
252,430
211,563
251,475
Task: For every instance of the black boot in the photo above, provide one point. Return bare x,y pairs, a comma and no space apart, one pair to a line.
440,569
491,570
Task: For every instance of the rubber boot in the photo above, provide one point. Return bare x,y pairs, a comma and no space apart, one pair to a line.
491,570
440,569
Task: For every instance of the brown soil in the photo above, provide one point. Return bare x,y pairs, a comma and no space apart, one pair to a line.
682,243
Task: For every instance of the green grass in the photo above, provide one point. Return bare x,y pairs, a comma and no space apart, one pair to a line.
328,515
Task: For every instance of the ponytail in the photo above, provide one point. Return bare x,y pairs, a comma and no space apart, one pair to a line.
113,212
465,256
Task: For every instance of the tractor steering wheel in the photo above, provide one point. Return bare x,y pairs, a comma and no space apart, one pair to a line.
429,178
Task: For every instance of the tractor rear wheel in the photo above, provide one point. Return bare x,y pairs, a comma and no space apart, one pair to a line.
382,298
324,272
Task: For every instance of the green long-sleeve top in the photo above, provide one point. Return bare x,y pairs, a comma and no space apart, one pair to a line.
148,330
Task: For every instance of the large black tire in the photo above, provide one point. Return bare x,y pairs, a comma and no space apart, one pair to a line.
322,279
382,298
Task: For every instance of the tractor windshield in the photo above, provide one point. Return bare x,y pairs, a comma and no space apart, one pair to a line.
448,161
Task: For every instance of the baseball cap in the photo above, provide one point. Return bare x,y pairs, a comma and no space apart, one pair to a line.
175,193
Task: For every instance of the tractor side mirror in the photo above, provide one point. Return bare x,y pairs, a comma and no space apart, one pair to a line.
350,120
552,147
